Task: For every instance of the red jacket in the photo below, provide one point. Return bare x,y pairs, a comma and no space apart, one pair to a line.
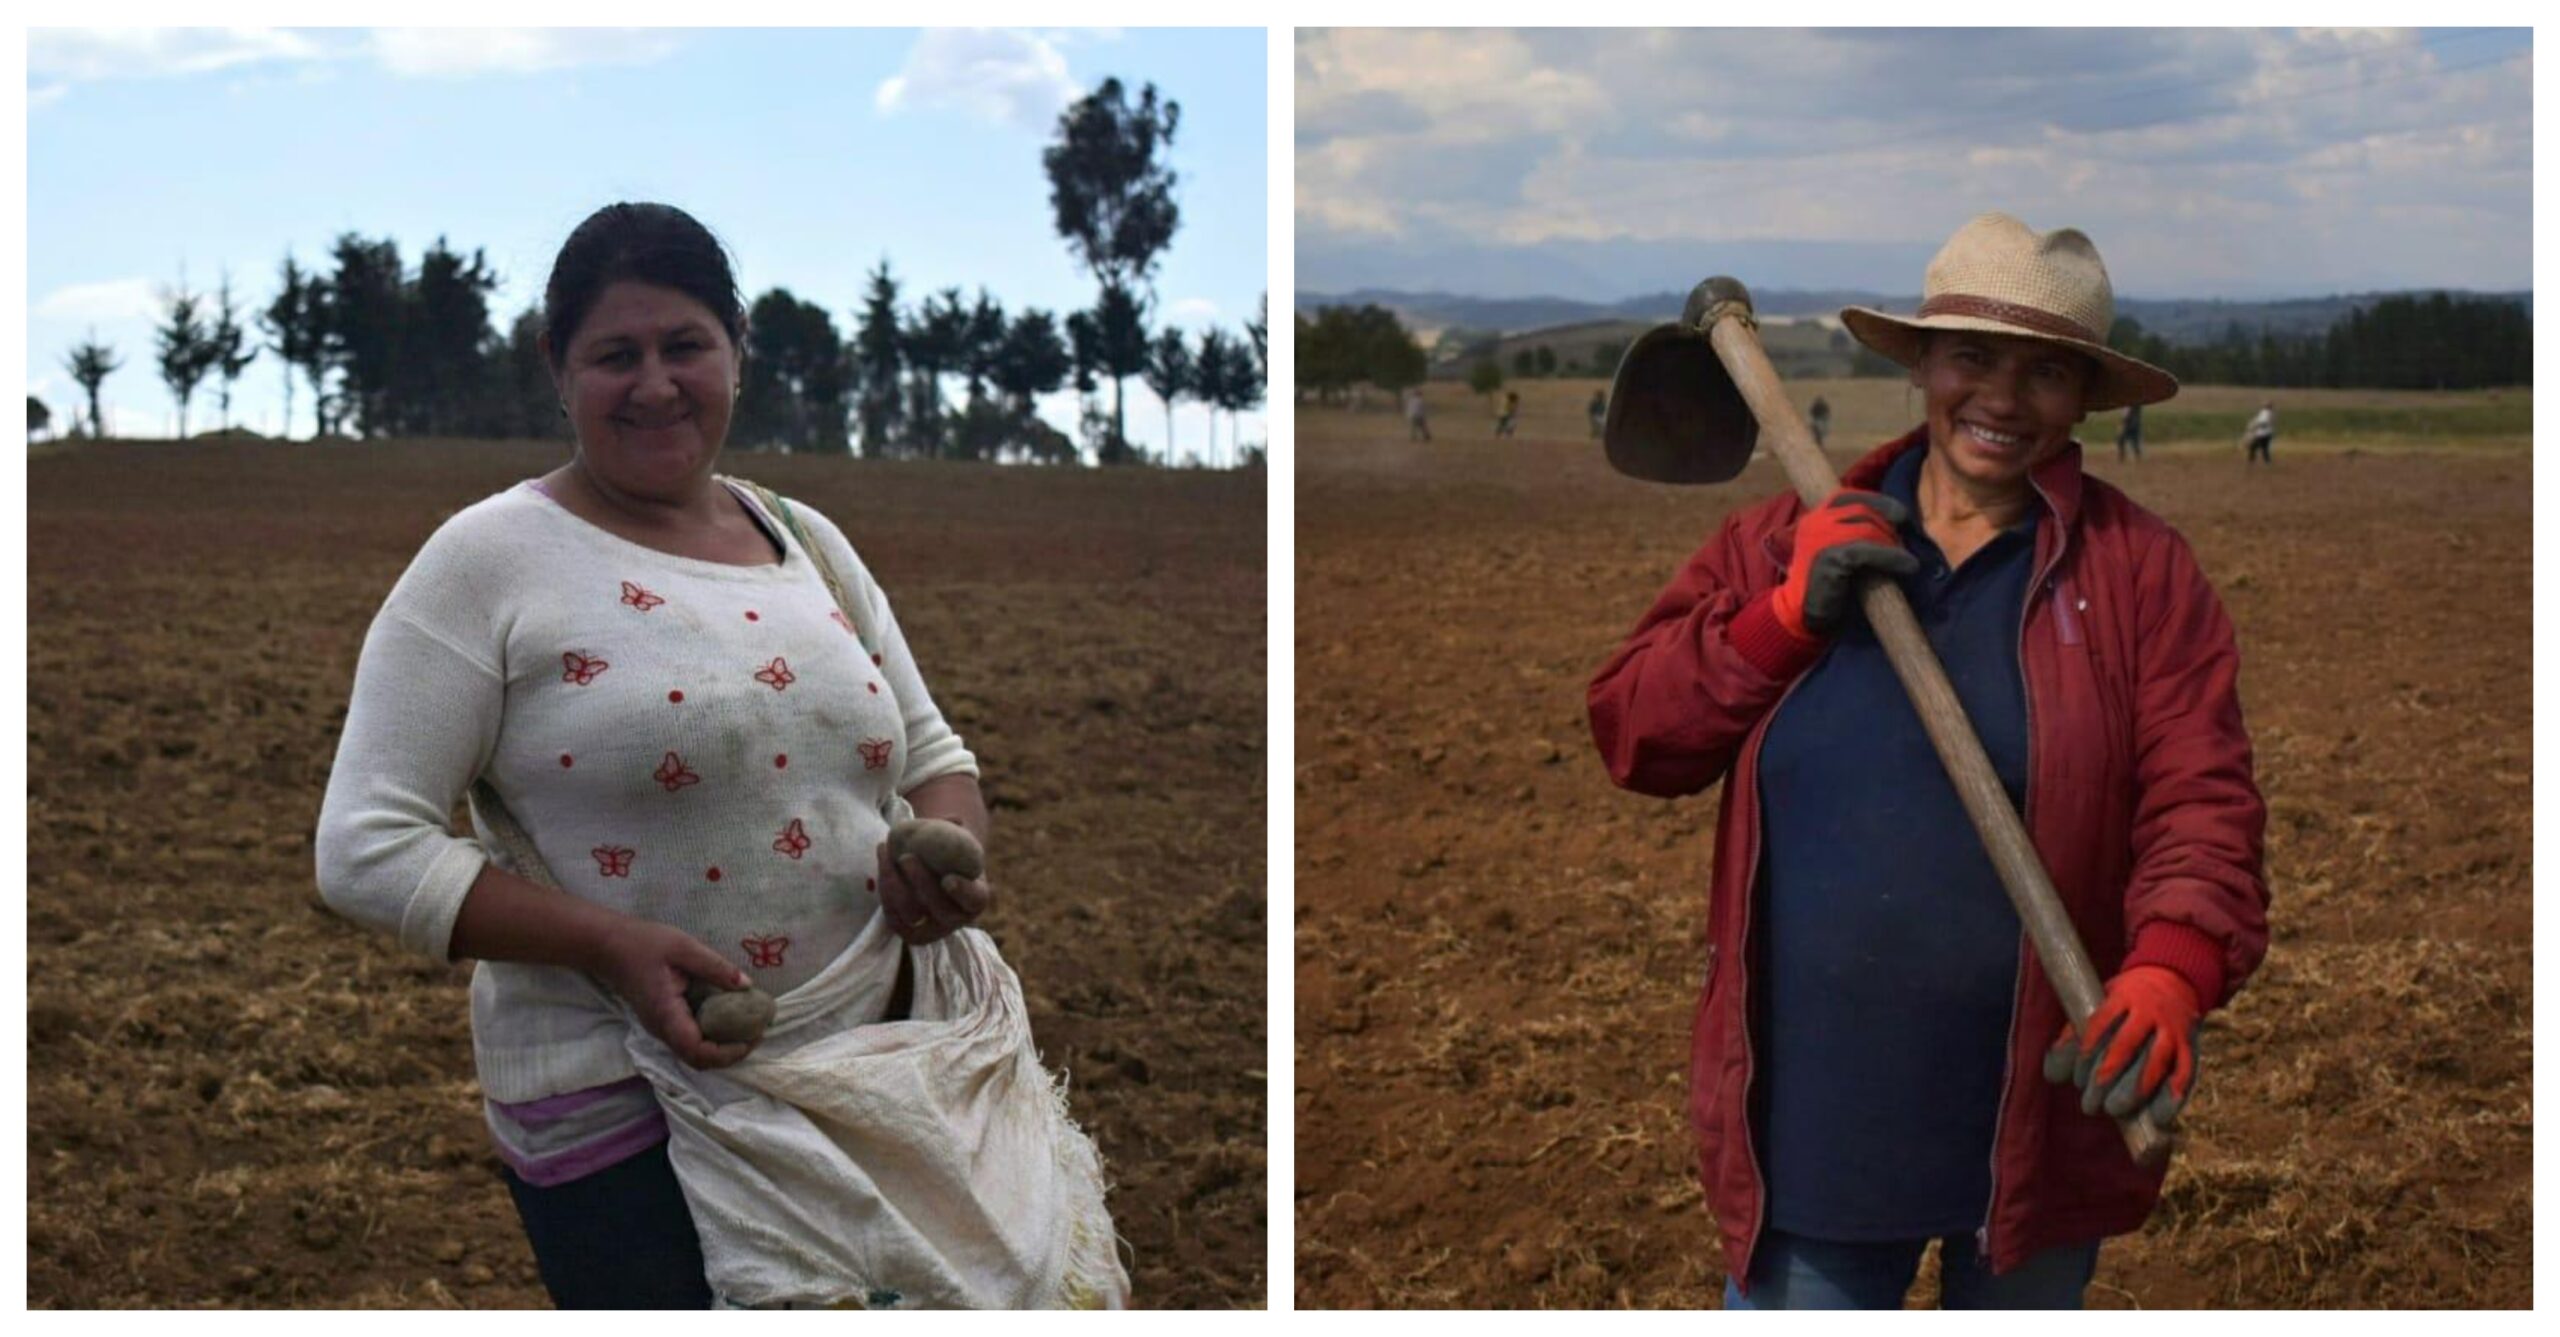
2140,800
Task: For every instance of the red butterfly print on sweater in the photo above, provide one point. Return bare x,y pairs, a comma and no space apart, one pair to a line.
794,840
875,753
776,675
612,861
764,953
672,774
639,598
579,669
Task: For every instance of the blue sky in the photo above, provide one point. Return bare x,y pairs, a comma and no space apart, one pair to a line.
1600,164
812,152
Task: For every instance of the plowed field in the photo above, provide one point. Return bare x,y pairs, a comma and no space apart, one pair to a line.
236,1098
1498,953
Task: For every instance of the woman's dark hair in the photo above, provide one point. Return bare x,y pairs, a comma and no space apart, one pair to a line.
648,243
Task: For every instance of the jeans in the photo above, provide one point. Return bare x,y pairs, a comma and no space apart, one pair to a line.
1792,1272
621,1238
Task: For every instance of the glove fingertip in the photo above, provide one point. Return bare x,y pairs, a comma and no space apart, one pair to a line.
2126,1094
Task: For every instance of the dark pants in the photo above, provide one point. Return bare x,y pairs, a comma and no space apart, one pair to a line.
2130,441
1792,1272
621,1238
2262,448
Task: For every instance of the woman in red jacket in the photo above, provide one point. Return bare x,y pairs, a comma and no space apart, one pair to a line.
1878,1061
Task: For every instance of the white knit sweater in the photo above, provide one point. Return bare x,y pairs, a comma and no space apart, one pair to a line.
704,745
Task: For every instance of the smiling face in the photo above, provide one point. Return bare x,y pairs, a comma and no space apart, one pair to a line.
1999,404
649,379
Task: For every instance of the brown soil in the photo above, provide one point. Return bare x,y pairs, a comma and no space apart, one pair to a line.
1497,952
236,1098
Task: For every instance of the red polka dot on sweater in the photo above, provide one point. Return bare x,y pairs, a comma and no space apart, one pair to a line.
875,659
751,615
675,696
564,759
714,875
781,759
875,687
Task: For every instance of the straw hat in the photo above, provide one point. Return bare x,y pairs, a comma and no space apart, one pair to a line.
1999,276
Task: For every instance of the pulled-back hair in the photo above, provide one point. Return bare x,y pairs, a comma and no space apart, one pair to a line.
646,243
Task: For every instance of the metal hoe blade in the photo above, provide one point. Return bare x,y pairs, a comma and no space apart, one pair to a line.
1675,415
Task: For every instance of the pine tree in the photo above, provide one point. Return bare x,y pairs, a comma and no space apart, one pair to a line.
230,347
1242,388
292,326
366,329
1120,344
1215,368
879,354
1170,373
936,340
186,348
90,364
442,334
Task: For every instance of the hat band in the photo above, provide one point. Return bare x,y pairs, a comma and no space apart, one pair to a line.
2007,313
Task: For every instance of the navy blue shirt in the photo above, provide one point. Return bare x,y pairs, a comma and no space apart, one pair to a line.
1891,952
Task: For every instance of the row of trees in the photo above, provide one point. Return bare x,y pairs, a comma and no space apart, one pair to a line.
1598,358
1342,346
811,387
389,350
2433,342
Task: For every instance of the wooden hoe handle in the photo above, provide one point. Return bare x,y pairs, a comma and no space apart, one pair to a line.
1737,343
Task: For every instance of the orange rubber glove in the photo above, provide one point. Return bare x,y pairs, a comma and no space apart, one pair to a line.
1848,533
2139,1046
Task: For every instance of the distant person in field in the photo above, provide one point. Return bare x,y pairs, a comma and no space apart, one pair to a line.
1819,419
2260,437
1876,1062
1417,418
1509,422
2129,435
634,661
1598,411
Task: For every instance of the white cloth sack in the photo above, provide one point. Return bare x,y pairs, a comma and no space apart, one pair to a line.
926,1163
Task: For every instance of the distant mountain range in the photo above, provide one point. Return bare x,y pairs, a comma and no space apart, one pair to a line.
2179,320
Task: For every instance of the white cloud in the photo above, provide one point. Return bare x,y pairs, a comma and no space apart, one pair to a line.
1011,78
46,96
459,53
1192,310
114,299
59,57
68,55
1411,139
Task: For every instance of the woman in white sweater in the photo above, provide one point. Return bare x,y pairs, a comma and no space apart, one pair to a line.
639,659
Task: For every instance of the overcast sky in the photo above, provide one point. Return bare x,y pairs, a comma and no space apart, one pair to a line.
812,153
1599,164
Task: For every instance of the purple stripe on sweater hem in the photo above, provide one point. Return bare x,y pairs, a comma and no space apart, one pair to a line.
580,1161
549,1110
